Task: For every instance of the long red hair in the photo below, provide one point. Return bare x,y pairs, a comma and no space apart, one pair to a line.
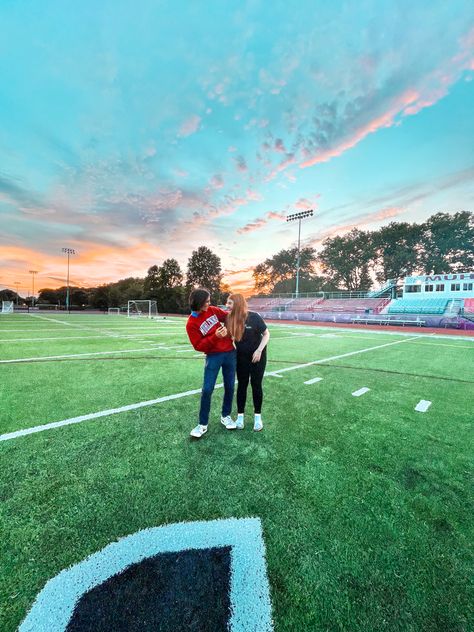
237,317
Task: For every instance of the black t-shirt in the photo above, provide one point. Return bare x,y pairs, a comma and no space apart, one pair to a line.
254,328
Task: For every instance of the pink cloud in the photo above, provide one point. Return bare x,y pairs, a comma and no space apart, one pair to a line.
260,222
384,120
361,220
217,181
190,126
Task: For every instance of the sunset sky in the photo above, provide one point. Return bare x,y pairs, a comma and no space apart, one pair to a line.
137,131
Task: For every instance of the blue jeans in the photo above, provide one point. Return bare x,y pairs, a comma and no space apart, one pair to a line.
214,362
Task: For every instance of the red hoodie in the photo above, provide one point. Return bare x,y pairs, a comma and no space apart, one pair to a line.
201,329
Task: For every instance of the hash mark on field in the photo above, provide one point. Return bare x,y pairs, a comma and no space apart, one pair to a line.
361,391
314,380
423,405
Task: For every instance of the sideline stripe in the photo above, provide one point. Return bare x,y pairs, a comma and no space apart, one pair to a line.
112,411
423,406
361,391
314,380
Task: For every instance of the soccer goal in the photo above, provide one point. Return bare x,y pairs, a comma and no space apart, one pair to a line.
7,307
145,309
113,311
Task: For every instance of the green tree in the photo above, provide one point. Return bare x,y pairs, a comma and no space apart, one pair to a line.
151,284
346,260
282,267
204,270
447,243
396,250
170,287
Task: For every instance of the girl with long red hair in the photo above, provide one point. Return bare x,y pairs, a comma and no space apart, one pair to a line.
250,335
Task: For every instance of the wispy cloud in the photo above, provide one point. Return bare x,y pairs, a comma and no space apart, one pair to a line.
190,126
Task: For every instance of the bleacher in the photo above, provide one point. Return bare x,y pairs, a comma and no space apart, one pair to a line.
469,305
419,306
351,305
303,304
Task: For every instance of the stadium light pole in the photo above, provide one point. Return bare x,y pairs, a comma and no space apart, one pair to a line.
68,252
17,285
293,218
33,272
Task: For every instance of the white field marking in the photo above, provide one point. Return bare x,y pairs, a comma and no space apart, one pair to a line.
130,337
328,336
314,380
104,413
272,374
78,355
105,332
101,413
249,590
377,332
343,355
423,406
361,391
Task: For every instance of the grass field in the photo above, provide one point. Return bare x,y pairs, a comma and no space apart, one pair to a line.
365,503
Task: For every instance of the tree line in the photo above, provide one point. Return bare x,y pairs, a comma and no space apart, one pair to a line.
166,284
444,243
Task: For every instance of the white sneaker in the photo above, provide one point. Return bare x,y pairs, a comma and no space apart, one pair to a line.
239,423
258,425
198,431
228,422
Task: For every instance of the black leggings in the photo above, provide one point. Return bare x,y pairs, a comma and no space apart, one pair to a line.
246,369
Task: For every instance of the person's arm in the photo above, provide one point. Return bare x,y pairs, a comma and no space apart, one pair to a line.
204,344
220,313
263,343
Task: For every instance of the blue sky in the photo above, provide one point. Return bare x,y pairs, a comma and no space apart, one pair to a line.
134,132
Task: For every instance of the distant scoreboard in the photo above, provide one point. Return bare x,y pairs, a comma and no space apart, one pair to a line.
459,285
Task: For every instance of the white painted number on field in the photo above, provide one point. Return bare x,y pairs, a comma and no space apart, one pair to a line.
423,406
361,391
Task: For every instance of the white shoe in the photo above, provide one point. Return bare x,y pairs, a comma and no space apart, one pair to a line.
198,431
228,423
258,425
239,423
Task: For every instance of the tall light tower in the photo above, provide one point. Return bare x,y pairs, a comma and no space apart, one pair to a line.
68,252
292,218
33,272
17,285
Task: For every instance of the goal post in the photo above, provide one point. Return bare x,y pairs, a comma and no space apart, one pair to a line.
7,307
143,309
113,311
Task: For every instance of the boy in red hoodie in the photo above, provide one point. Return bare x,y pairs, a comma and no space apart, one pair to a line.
207,332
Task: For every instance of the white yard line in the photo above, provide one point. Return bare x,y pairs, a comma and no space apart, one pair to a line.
423,406
361,391
76,355
343,355
102,413
112,411
122,337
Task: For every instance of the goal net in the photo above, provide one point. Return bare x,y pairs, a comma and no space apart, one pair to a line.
113,310
7,307
145,309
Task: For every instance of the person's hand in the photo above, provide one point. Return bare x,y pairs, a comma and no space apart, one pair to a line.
256,356
221,332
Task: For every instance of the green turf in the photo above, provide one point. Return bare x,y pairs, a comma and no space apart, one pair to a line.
365,503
